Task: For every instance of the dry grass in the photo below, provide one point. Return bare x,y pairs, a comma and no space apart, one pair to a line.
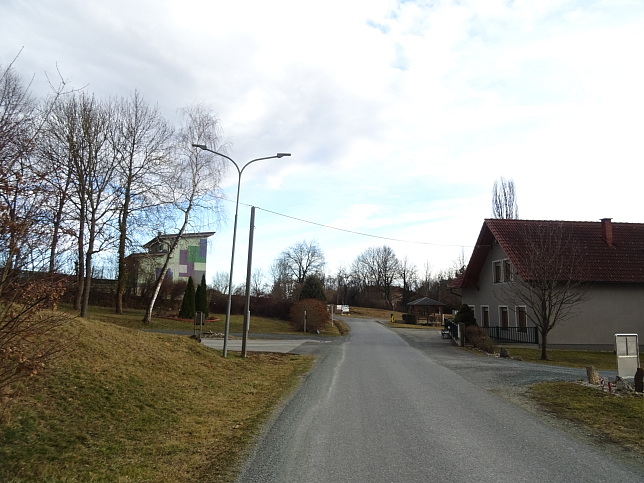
380,314
620,419
132,406
132,318
605,361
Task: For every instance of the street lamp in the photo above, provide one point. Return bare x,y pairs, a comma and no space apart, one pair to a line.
203,147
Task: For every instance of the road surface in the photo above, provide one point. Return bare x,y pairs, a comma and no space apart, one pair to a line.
376,409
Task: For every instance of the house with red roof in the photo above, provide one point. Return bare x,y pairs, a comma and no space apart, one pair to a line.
604,260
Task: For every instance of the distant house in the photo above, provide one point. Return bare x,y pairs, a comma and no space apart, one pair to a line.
188,259
608,257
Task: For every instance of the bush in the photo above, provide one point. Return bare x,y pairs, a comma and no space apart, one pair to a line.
409,318
479,339
201,297
465,315
317,316
187,310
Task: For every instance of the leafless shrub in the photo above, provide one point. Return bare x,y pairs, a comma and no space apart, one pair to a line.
479,339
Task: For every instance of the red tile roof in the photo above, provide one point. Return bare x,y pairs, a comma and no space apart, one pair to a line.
603,251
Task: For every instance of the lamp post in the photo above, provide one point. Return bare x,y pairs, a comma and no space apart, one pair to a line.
203,147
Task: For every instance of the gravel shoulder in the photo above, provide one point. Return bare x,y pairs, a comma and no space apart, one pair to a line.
510,379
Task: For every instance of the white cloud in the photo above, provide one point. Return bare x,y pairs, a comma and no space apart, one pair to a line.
399,115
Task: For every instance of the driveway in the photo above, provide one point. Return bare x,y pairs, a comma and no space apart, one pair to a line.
305,345
489,372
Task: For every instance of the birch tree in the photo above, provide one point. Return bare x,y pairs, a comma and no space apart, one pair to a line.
194,179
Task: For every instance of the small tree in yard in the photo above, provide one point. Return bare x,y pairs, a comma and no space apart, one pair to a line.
548,282
465,315
316,315
201,297
187,310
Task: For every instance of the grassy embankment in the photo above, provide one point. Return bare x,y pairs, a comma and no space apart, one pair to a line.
126,405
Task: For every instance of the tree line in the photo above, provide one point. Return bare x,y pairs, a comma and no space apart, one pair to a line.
83,176
376,278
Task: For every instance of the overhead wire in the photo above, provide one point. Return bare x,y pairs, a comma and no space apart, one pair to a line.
346,230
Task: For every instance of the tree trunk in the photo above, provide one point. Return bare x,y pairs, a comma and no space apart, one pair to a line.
80,267
121,284
544,354
157,287
88,276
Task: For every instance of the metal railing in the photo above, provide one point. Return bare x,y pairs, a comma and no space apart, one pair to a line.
526,335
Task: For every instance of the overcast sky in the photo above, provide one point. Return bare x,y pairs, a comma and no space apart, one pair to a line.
399,115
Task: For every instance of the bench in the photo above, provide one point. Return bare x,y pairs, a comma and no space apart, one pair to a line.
445,332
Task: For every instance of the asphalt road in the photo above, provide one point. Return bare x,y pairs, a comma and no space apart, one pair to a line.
377,409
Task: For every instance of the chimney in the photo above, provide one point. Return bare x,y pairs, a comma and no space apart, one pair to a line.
607,231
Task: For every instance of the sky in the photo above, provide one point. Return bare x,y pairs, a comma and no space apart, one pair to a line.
399,115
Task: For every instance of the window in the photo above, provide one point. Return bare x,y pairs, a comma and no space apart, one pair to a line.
507,271
522,319
485,316
503,316
497,272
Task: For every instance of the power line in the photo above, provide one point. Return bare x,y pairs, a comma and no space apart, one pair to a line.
350,231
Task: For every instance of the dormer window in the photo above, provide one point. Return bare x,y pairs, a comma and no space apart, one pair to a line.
497,274
502,271
508,274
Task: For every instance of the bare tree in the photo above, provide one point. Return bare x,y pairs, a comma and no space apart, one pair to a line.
26,339
79,129
283,285
194,180
141,143
258,284
220,282
342,284
26,196
504,202
303,259
409,278
378,267
17,210
547,283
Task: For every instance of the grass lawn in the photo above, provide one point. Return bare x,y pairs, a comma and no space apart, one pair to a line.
615,418
132,319
618,419
605,361
125,405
